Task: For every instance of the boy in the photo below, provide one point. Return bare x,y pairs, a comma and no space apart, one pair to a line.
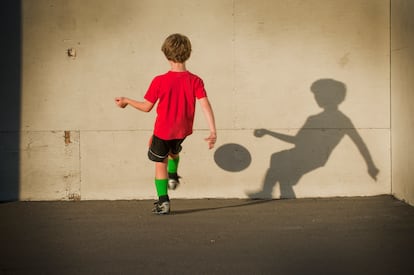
176,92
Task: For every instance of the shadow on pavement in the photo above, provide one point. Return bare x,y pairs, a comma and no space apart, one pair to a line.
247,203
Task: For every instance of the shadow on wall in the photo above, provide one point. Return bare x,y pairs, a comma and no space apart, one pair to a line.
314,142
10,83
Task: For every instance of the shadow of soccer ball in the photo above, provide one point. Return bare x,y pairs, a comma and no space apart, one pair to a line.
232,157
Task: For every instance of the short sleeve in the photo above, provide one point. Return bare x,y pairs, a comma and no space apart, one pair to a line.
153,90
200,91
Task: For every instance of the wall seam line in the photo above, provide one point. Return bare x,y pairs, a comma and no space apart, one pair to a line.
80,167
390,98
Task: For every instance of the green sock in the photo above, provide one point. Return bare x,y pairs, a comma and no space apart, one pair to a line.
162,187
173,165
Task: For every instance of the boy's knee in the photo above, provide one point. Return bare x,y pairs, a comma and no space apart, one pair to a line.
173,156
155,157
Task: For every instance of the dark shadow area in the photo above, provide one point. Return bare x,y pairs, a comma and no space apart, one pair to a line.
244,204
11,62
361,235
314,142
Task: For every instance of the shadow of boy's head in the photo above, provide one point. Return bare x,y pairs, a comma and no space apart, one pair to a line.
328,92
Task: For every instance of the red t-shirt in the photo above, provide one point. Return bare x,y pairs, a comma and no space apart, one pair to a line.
176,93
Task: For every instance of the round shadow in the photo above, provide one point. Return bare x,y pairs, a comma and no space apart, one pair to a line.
232,157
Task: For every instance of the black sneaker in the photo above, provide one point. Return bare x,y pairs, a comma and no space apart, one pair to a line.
173,181
161,208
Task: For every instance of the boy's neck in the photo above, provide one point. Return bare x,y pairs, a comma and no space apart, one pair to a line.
177,67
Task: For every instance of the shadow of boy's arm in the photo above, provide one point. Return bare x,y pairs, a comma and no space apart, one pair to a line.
363,149
286,138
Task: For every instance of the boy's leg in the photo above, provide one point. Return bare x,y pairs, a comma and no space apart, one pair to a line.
158,152
161,180
173,178
173,161
161,183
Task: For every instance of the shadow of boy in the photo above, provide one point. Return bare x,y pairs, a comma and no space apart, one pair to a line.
314,142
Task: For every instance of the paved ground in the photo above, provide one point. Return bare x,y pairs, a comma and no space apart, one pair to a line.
303,236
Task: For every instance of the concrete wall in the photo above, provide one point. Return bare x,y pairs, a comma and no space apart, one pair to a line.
258,60
402,71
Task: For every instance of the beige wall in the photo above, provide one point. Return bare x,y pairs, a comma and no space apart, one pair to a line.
258,60
402,71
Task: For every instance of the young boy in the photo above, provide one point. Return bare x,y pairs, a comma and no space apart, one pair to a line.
176,92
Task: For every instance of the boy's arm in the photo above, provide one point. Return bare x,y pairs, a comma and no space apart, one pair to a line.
209,115
144,106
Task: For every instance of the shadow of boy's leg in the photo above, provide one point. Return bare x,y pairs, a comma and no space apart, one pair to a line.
286,188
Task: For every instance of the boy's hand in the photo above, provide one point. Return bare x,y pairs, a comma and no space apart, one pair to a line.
120,101
211,140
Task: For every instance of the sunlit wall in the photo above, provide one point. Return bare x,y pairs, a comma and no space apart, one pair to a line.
258,59
402,49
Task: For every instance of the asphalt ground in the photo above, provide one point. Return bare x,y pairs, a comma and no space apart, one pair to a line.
362,235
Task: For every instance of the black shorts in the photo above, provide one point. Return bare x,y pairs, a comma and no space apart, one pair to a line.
160,149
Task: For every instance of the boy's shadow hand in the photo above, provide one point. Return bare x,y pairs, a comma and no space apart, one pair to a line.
260,132
373,172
